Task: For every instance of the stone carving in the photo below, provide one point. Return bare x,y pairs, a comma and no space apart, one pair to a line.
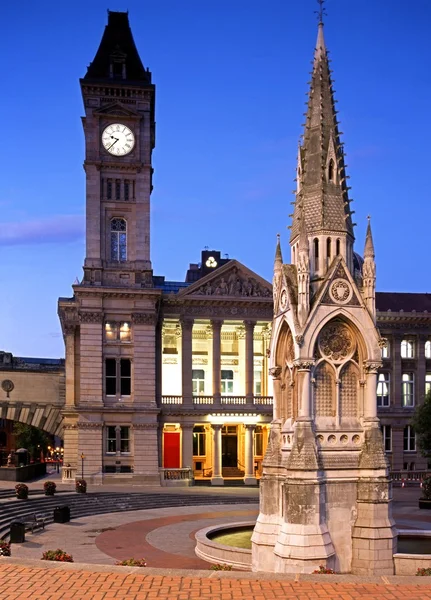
336,342
170,361
89,425
91,317
275,372
283,299
299,339
240,332
304,364
7,386
199,361
235,286
372,367
210,311
145,425
340,291
144,319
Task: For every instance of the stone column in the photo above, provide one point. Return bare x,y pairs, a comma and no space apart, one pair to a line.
217,478
209,369
186,365
187,445
266,336
240,333
303,366
396,371
216,325
370,406
249,360
421,369
249,478
70,365
275,373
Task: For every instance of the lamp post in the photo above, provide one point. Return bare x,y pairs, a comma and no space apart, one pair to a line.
82,465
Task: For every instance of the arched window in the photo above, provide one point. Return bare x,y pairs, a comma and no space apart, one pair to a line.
119,240
316,249
294,255
331,172
338,247
328,248
427,349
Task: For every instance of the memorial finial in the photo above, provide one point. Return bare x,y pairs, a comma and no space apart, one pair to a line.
321,12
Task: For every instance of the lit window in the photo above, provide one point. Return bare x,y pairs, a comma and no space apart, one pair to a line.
383,382
428,349
427,383
199,441
118,331
385,350
198,382
407,349
387,437
119,240
409,439
408,398
257,383
227,382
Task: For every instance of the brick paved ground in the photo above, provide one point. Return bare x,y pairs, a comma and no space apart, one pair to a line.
63,583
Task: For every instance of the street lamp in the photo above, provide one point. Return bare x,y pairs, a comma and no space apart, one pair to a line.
82,465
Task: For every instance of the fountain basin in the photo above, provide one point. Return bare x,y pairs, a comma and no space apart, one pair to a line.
210,550
218,545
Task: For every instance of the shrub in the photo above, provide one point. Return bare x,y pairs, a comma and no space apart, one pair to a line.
322,570
21,491
426,488
49,488
59,555
219,567
132,562
424,572
4,548
81,486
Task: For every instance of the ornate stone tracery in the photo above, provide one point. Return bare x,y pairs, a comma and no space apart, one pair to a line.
336,341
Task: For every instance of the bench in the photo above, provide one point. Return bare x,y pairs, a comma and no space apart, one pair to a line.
33,522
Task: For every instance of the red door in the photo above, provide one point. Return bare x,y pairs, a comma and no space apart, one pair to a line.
171,450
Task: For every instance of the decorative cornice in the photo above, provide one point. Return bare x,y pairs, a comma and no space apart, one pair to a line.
145,425
89,425
303,364
144,318
91,317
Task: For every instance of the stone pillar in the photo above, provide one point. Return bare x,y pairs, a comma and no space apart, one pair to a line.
370,405
266,336
275,373
421,370
249,478
209,369
240,333
396,371
70,366
187,445
146,459
217,478
216,325
186,365
249,360
303,366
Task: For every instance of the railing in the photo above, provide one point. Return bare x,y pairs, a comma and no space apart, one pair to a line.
176,477
224,400
409,476
68,474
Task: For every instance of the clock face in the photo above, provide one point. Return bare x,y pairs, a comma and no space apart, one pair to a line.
118,139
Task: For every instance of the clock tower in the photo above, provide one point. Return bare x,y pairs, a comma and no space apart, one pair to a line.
109,325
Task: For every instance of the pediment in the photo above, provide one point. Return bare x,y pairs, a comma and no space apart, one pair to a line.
232,280
116,110
339,289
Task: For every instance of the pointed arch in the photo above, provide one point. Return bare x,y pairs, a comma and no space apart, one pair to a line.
324,391
349,392
331,171
285,350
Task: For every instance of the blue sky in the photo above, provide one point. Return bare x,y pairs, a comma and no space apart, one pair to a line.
231,78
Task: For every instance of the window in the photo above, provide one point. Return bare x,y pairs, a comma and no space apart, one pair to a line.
126,190
199,439
124,439
117,189
328,248
111,439
385,350
316,249
409,439
258,441
427,383
338,247
118,331
407,349
117,437
118,377
383,382
198,381
408,398
119,240
331,171
387,437
257,383
109,189
227,382
428,349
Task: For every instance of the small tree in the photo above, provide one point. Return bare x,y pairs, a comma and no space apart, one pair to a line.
421,423
31,438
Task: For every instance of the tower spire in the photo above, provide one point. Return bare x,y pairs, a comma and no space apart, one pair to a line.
369,273
369,244
322,194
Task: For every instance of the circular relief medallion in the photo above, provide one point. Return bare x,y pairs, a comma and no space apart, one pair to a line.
7,386
340,291
336,342
283,299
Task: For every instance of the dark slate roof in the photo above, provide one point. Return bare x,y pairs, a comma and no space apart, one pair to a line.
397,301
117,39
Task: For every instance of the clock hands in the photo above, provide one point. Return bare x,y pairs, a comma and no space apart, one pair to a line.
113,138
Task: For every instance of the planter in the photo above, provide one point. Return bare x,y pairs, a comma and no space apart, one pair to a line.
423,503
49,488
21,491
81,486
